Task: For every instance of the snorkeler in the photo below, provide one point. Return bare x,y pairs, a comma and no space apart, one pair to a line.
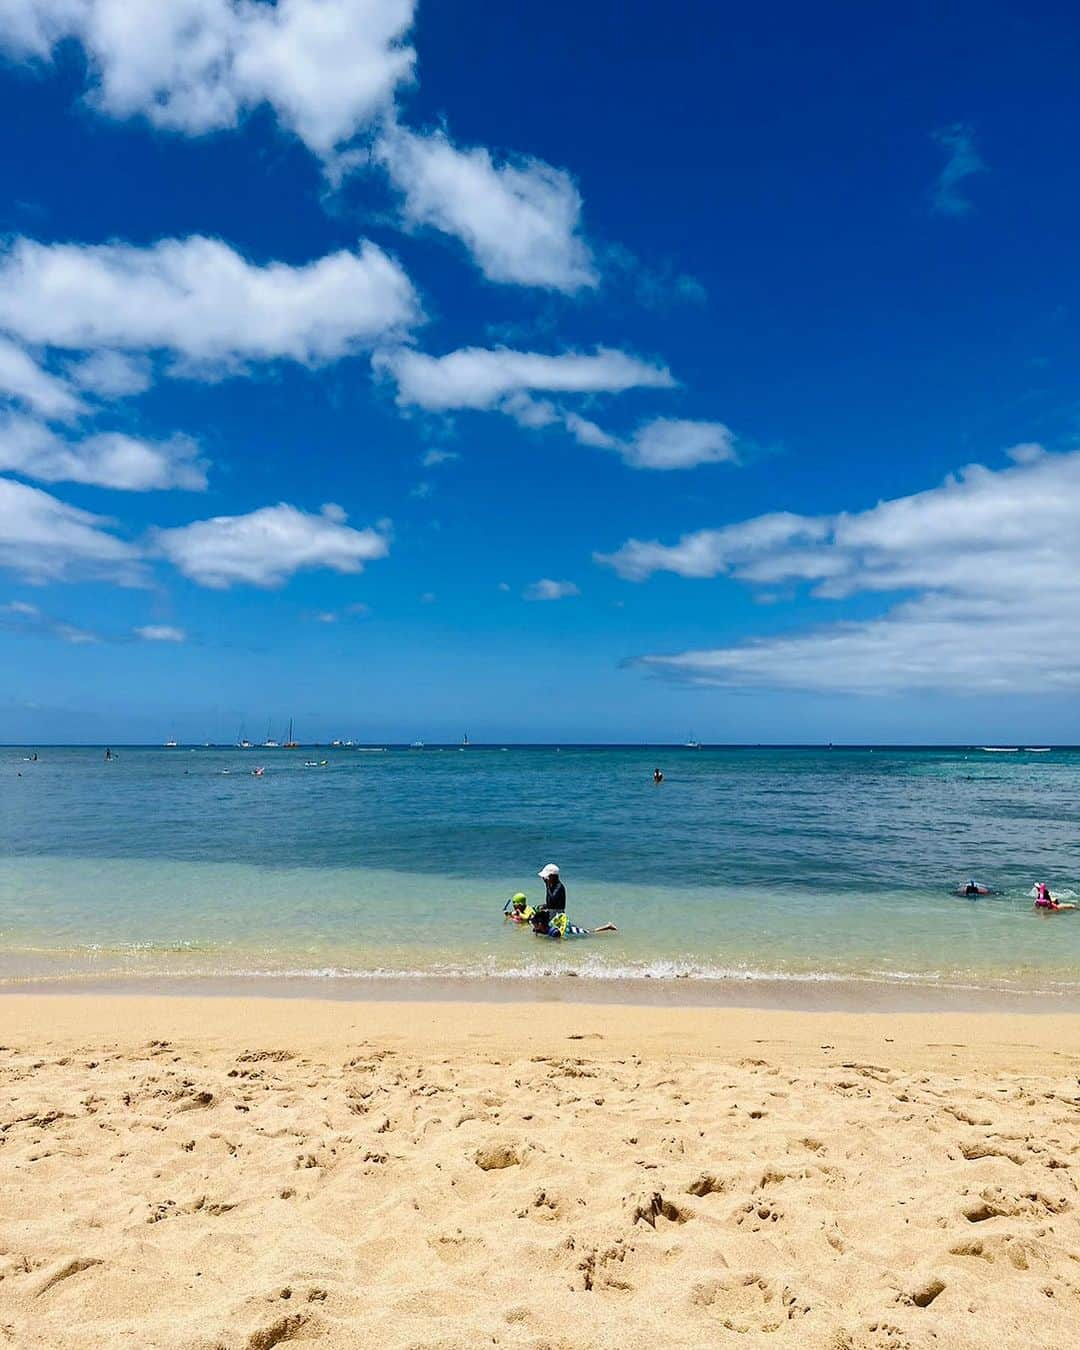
1045,901
517,909
658,776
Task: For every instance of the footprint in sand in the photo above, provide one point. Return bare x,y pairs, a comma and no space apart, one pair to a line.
652,1208
748,1304
996,1203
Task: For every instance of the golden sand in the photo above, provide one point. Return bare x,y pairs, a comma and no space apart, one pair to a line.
247,1173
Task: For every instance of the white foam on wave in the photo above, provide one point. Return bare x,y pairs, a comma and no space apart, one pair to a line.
593,970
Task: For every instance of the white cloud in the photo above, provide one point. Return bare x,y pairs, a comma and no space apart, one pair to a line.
268,546
546,589
28,620
161,632
430,458
22,379
990,592
663,443
519,220
112,374
201,301
497,378
672,443
108,460
588,433
962,161
328,68
44,539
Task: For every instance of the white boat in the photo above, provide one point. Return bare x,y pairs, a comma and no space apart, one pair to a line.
170,744
417,745
691,743
1038,749
1000,749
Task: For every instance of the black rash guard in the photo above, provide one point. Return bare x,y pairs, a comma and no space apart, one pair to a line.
556,897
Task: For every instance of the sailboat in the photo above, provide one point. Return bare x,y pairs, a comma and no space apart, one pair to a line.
691,744
170,744
269,743
290,744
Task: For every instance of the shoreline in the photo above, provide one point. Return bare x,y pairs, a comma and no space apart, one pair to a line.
832,995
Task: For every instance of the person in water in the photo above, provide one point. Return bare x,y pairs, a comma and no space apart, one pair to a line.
658,775
1045,901
517,909
972,888
550,925
556,892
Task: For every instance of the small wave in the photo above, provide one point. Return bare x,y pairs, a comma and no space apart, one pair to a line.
596,971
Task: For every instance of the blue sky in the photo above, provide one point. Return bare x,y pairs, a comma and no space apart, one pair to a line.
541,373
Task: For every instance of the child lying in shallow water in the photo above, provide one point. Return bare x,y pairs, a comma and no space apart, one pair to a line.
551,924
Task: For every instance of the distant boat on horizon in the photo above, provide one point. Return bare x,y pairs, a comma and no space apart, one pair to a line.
170,744
417,745
691,744
270,743
290,744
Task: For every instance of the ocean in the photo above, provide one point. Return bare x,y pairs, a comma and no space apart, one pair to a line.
800,869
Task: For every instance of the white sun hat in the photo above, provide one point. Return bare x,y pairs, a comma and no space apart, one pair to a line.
551,870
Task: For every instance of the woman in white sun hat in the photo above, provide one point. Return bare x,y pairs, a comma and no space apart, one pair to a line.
556,891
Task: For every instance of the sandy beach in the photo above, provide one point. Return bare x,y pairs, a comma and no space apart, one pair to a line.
245,1173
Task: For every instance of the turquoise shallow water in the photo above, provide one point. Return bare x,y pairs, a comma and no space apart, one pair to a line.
745,864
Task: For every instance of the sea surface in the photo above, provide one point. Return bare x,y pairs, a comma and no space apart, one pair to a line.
797,867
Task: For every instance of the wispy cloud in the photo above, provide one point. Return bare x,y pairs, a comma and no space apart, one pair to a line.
430,459
663,443
45,539
27,620
485,378
962,161
28,383
546,589
161,632
994,601
110,459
